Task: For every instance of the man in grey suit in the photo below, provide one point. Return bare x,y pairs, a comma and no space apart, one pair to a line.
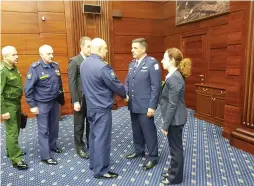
173,111
143,85
78,98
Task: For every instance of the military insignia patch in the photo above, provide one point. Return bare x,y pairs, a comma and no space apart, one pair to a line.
112,74
29,76
57,72
156,67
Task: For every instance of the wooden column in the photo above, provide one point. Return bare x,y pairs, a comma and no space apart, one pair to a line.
243,136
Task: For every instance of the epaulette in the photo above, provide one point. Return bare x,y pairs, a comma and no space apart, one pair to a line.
35,64
152,58
54,62
106,62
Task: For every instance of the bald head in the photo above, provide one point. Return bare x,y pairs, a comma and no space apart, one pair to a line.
46,53
10,55
99,47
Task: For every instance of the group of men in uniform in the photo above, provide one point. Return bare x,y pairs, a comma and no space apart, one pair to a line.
93,84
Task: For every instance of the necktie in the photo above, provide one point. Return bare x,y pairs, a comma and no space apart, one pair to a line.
136,65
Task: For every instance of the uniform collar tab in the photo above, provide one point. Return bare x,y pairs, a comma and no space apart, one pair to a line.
45,65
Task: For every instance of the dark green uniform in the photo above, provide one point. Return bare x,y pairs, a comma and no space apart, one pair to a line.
11,92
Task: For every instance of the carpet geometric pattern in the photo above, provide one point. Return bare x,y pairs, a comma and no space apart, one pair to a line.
209,158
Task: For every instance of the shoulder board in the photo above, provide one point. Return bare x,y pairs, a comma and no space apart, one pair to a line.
106,62
54,62
1,67
35,64
152,58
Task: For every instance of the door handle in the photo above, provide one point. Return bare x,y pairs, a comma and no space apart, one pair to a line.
201,75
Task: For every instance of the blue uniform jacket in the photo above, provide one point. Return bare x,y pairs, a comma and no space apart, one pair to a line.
43,83
99,84
143,85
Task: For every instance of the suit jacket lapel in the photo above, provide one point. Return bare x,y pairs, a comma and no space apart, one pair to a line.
80,59
142,63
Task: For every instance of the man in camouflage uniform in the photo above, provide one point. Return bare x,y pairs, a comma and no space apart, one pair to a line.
11,92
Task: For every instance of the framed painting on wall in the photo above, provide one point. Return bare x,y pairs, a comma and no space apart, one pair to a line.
190,11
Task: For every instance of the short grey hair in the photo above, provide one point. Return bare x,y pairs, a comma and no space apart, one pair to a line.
141,41
7,49
83,40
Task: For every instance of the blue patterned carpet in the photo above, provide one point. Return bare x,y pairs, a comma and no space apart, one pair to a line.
209,159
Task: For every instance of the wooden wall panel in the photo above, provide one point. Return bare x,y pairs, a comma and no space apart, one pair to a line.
129,26
24,43
139,9
62,62
121,75
121,61
54,23
57,41
172,41
64,77
217,77
226,52
123,44
19,23
221,35
50,6
173,29
19,6
25,62
218,58
68,107
169,9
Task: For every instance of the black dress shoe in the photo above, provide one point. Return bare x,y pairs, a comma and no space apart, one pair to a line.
50,161
149,165
108,175
57,150
165,175
165,181
134,155
83,154
21,165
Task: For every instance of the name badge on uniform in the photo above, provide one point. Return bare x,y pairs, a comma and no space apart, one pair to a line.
44,77
57,72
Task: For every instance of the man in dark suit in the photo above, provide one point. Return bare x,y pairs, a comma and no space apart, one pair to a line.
143,85
78,98
173,112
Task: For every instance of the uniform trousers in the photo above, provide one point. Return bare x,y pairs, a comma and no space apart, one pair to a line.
12,128
48,127
144,132
100,141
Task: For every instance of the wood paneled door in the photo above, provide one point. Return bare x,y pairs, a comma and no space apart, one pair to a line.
195,48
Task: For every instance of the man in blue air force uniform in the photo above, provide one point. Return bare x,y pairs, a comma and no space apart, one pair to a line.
41,90
99,84
143,85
